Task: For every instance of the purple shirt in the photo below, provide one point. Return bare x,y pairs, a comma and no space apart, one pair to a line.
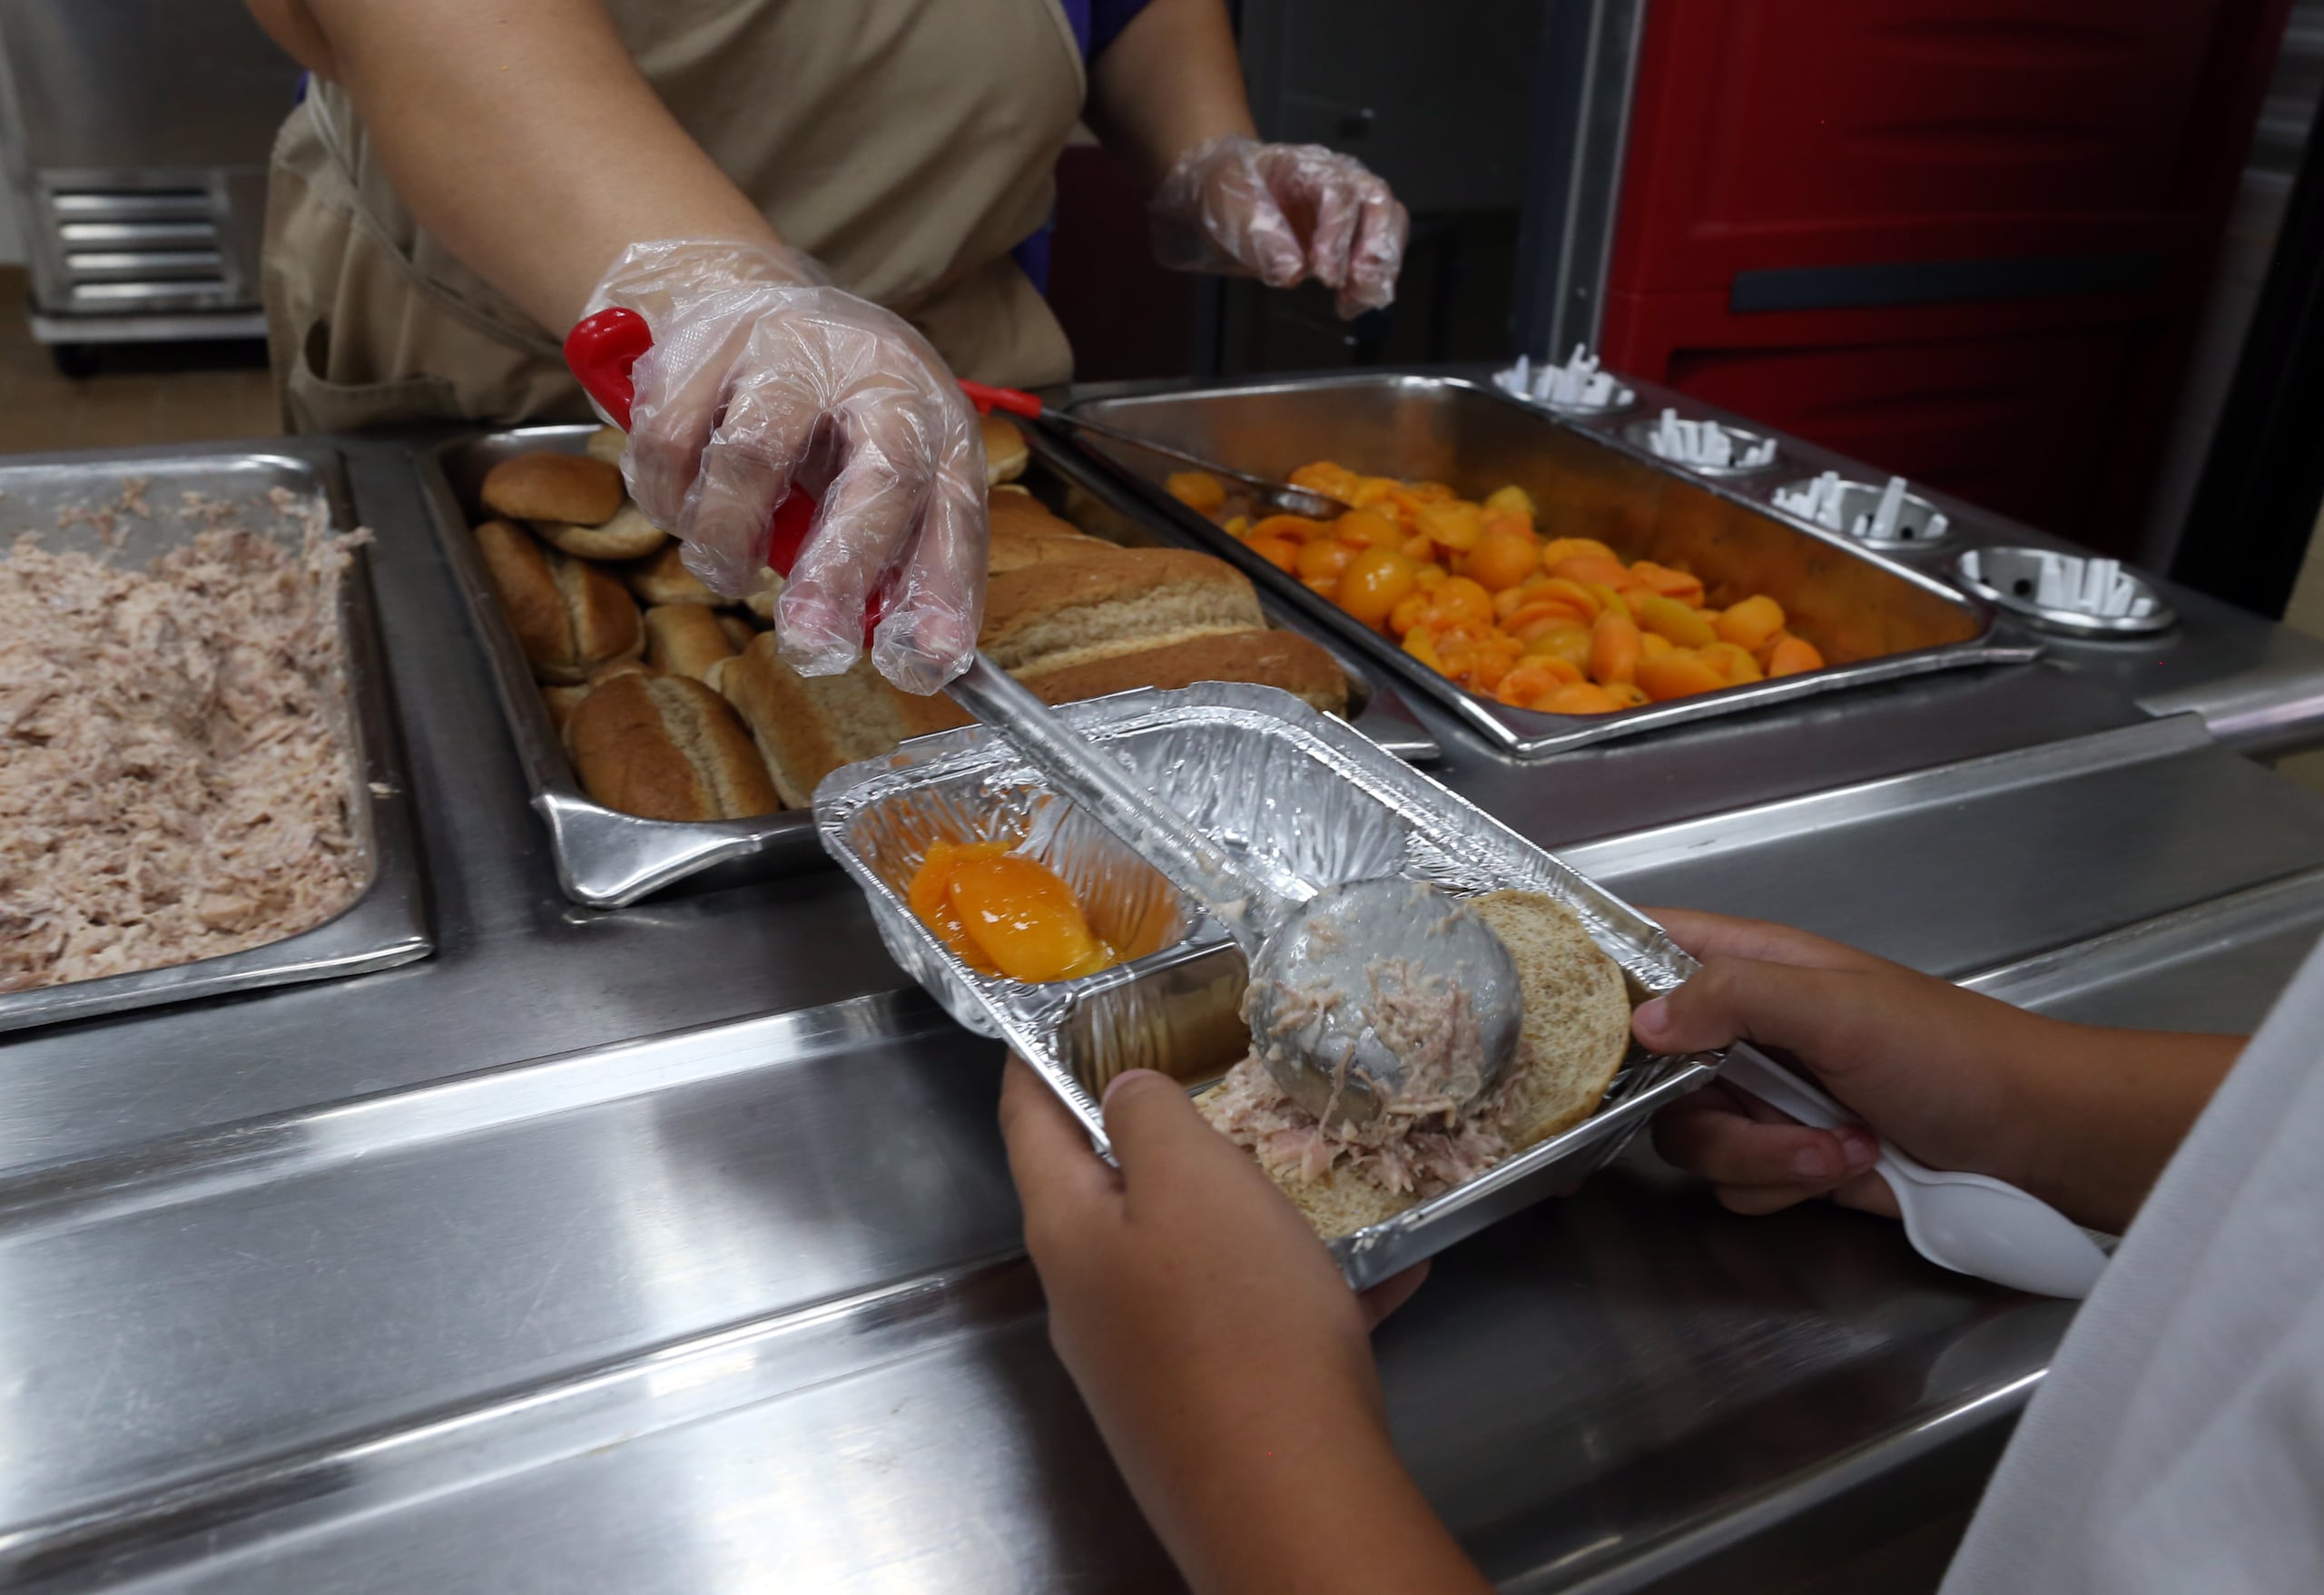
1095,25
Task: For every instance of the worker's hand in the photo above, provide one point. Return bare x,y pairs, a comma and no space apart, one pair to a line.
1283,213
762,374
1204,1325
1938,1070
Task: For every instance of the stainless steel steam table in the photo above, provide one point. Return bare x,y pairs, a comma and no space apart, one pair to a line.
670,1247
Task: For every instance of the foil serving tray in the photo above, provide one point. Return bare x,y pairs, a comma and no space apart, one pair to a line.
1298,797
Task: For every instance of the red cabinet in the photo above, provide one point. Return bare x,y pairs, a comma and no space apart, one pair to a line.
1967,242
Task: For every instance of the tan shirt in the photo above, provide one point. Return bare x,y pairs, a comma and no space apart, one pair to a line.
908,144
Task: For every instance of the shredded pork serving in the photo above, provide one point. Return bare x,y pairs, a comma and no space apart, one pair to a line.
174,780
1422,1140
1398,1152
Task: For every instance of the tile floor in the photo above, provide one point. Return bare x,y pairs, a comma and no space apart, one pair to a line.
166,393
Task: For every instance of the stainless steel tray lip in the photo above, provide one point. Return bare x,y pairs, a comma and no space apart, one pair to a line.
2085,628
1460,844
604,859
387,924
1523,735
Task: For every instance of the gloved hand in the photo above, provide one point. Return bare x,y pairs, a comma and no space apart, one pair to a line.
762,374
1282,212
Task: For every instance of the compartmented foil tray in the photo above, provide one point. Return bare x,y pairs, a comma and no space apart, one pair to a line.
387,922
1297,796
606,859
1875,618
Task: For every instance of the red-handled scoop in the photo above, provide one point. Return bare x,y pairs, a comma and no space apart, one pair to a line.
600,350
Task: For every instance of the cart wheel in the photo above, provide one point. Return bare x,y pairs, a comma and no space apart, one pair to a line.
75,360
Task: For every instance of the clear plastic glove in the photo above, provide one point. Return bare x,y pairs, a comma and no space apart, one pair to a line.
1282,213
762,374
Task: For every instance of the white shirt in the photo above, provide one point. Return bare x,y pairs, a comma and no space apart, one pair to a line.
2177,1446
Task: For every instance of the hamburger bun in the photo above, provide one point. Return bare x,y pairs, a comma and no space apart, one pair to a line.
685,639
1268,658
1112,600
627,535
573,488
570,617
1005,453
606,443
662,577
665,747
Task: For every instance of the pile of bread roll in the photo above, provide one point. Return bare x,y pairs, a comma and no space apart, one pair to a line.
684,710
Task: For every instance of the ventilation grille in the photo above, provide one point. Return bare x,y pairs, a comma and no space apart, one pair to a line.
126,251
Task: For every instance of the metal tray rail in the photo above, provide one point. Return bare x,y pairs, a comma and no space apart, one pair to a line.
387,923
1298,796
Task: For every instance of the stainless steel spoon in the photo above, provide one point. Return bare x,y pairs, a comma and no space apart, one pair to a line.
1267,494
1371,997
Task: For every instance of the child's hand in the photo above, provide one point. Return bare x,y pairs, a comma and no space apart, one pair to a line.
1226,1363
2083,1118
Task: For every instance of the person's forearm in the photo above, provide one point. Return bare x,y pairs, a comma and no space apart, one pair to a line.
1285,1508
2111,1108
523,137
1170,80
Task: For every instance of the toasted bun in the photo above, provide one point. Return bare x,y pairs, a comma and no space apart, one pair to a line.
606,443
1576,1012
627,535
569,617
808,726
569,488
1114,601
1268,658
667,748
1024,534
662,576
684,639
1577,1030
1005,453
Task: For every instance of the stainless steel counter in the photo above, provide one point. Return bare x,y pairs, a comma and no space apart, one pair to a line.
441,1278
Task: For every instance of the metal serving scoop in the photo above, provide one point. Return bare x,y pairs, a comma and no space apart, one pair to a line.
1267,495
1371,997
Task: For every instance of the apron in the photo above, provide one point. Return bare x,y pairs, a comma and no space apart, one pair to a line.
909,145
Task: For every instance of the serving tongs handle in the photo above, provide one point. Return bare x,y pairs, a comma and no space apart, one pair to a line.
1276,495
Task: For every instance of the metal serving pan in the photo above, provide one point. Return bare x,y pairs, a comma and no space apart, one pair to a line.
1875,619
606,859
387,924
1301,797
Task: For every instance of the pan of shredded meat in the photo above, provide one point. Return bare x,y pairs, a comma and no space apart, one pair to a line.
201,787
